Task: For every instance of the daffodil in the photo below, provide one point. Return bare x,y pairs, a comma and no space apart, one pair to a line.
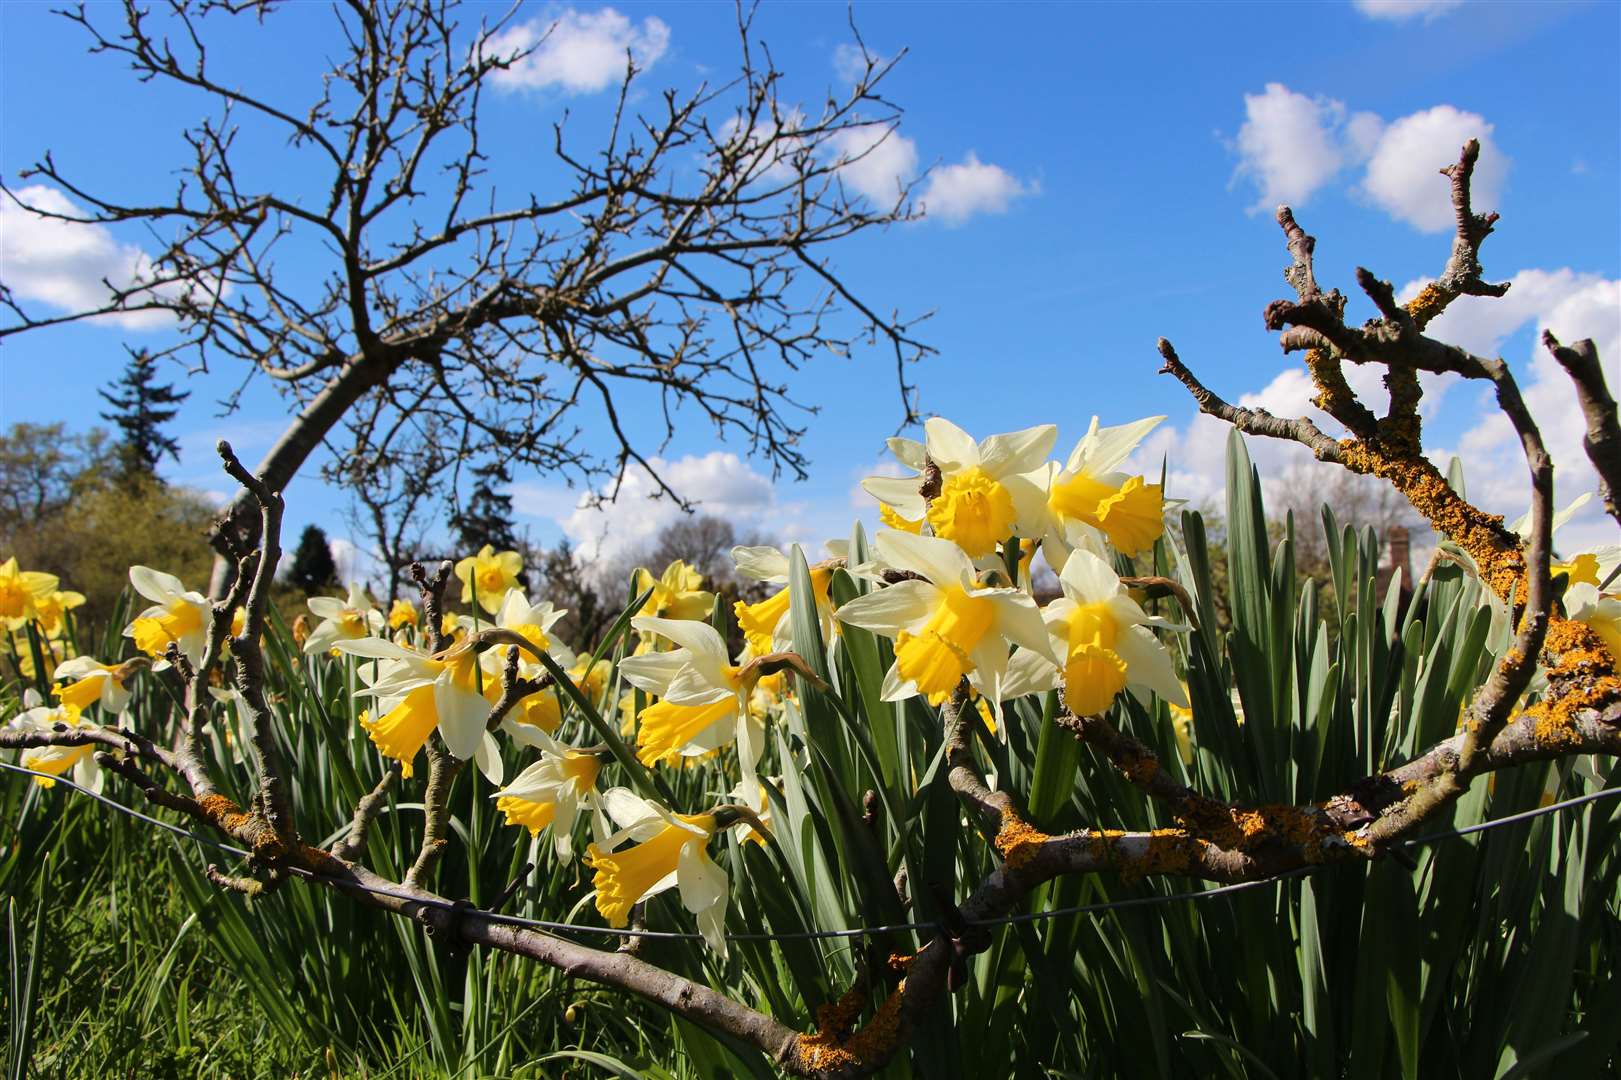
1087,494
678,593
177,614
345,620
417,694
53,761
1600,612
490,575
550,792
974,507
766,625
1104,640
52,650
702,695
544,708
21,592
665,851
401,614
50,613
83,682
946,625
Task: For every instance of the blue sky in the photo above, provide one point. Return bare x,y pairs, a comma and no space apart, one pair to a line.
1104,175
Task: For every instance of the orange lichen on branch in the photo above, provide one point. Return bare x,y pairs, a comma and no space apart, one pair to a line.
831,1050
1017,841
1495,550
252,829
1333,392
1430,302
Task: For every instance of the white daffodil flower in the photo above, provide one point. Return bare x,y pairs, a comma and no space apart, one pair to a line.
702,696
177,614
416,694
767,625
342,620
1089,497
945,626
550,792
52,761
1104,640
974,508
666,850
82,682
1599,612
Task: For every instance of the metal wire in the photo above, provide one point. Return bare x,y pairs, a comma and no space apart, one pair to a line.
814,935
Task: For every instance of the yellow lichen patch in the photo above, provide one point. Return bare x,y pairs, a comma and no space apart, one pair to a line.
1430,302
832,1049
1017,841
1169,851
1333,392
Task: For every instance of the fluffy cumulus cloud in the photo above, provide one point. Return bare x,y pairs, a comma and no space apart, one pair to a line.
1572,305
578,52
1290,146
718,483
1400,176
955,193
65,265
1405,10
878,161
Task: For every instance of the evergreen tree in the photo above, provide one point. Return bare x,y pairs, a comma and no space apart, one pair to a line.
313,568
140,408
487,516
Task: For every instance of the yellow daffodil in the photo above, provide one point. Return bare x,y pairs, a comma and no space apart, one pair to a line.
665,850
945,625
21,592
83,682
678,593
52,650
417,694
490,575
1088,495
51,612
53,761
550,791
974,507
401,614
1600,612
701,695
176,615
1182,727
1104,640
345,620
766,625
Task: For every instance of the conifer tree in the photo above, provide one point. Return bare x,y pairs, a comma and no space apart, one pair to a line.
486,518
313,568
141,407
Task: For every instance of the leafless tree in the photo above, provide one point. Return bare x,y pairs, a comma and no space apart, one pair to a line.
682,257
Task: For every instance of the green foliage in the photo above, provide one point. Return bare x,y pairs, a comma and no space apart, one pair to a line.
313,568
140,409
1492,955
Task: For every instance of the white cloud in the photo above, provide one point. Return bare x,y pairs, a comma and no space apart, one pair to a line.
957,192
1401,176
65,265
1405,10
878,161
577,51
718,483
850,62
1291,146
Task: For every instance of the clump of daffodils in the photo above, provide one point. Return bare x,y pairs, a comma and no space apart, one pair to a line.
947,581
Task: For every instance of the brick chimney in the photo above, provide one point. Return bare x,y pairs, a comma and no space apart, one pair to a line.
1400,547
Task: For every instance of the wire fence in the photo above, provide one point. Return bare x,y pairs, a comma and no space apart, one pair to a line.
464,910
